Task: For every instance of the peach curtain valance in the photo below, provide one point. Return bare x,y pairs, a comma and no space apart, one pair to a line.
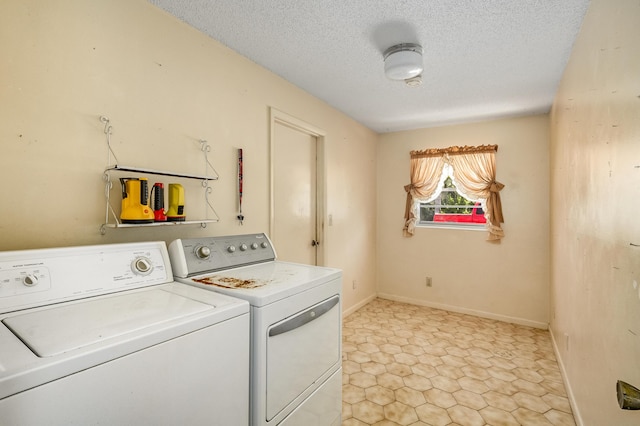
453,150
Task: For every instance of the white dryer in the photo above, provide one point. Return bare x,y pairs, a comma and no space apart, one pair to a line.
102,334
296,324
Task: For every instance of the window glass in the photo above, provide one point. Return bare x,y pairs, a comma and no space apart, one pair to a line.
451,208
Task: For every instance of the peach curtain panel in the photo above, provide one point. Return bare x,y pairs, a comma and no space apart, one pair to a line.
474,173
426,171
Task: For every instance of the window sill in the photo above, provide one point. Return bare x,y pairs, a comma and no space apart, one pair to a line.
457,226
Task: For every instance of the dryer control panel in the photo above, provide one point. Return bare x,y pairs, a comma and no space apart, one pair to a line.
198,255
30,278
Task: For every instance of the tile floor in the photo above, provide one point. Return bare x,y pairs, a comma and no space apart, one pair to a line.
412,365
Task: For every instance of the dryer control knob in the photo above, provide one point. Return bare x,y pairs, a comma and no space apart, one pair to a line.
254,246
203,252
231,249
243,247
30,280
142,266
264,244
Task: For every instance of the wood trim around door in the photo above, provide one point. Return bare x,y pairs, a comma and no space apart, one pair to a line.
279,117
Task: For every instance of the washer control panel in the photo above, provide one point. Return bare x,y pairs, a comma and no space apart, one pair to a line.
24,279
30,278
198,255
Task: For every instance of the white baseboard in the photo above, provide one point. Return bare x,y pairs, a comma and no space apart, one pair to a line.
567,386
358,305
482,314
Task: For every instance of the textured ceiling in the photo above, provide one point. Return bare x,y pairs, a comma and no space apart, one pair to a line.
483,59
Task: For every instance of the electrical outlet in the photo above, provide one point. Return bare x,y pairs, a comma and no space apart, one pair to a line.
429,282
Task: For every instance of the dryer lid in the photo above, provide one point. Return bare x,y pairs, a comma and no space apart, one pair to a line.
63,328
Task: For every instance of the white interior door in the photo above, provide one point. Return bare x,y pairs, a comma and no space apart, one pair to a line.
295,196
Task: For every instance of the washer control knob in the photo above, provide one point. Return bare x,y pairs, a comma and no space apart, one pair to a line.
30,280
243,247
203,252
142,266
264,244
231,249
254,246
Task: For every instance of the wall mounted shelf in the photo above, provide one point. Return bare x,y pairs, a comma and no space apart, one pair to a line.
141,170
112,219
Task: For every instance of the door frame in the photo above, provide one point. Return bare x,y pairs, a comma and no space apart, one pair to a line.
278,117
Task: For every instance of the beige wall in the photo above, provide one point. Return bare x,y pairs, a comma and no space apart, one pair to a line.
507,281
164,87
595,176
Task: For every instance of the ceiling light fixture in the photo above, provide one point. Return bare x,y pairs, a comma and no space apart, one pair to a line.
414,81
403,61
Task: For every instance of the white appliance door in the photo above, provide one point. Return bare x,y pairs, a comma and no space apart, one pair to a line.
300,349
322,408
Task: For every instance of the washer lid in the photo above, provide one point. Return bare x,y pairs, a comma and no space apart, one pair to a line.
56,330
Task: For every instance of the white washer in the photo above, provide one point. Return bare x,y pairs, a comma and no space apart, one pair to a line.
102,334
296,320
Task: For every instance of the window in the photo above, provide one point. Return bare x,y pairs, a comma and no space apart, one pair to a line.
450,208
473,173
